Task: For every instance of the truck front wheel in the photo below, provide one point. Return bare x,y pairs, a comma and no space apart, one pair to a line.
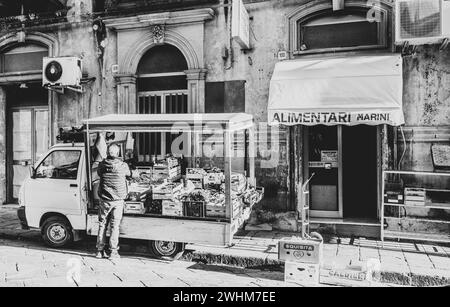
57,232
166,249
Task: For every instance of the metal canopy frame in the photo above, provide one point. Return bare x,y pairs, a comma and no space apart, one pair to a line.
194,124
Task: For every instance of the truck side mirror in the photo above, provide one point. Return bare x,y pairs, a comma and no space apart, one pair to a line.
32,172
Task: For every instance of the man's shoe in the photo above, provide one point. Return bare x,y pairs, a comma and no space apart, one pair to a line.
101,255
114,256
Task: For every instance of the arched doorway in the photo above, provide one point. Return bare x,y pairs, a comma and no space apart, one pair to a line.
162,88
27,114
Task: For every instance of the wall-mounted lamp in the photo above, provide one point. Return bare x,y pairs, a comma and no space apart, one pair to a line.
23,86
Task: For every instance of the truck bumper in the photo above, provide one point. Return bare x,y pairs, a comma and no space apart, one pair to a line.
22,217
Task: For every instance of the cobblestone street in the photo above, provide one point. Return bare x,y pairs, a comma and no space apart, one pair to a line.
251,261
27,264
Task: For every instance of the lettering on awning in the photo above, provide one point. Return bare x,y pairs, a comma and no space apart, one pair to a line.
330,118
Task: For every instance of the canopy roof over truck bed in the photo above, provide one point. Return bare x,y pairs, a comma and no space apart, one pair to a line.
170,122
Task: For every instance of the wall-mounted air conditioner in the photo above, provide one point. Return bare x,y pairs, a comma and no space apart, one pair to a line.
62,72
421,22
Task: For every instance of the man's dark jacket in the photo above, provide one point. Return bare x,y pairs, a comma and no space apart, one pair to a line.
113,184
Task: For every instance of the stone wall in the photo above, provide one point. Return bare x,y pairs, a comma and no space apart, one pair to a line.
2,145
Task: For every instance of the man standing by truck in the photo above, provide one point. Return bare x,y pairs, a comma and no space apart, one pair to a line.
112,193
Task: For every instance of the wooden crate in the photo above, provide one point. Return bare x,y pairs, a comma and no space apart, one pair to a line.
415,196
134,208
194,208
220,211
172,208
197,182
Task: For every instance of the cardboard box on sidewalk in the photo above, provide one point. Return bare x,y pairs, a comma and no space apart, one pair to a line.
302,273
358,273
298,250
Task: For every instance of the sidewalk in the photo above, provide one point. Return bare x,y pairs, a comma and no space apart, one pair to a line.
403,263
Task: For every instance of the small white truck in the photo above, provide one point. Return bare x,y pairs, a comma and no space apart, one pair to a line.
59,195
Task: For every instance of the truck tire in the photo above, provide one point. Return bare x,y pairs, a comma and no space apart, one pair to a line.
57,232
166,249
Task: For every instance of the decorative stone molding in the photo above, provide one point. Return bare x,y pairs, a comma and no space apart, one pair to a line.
158,33
131,59
196,74
167,18
138,34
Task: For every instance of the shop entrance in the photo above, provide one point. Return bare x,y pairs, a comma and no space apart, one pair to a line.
28,133
343,164
359,176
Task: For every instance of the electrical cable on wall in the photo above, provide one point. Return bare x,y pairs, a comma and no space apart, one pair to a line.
404,148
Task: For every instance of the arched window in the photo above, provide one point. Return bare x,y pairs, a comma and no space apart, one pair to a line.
162,88
21,58
325,30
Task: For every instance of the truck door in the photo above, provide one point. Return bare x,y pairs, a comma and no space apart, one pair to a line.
56,187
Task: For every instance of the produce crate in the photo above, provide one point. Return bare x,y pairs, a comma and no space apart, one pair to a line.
134,208
214,210
172,208
197,182
194,208
415,196
253,196
167,191
393,197
214,178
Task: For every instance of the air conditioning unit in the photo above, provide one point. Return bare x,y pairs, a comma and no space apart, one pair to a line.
421,22
61,71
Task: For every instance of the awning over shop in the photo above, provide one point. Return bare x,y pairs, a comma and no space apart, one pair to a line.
349,90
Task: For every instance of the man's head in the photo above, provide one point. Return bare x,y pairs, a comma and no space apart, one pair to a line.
113,151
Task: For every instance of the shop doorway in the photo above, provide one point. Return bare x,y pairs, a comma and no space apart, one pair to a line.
27,133
342,162
360,172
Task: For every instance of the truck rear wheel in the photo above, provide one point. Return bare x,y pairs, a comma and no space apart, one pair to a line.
166,249
57,232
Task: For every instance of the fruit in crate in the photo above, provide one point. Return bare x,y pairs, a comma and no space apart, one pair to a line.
155,206
138,191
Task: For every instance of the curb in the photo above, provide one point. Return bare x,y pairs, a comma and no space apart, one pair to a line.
387,277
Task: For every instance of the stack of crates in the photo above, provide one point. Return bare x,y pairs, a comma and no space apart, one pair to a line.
303,259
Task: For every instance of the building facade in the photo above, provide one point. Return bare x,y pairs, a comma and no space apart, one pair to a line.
180,56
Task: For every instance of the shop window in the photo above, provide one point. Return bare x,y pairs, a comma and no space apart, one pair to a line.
162,88
60,164
350,29
23,58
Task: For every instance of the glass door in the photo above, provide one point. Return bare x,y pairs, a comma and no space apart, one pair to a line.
323,163
29,142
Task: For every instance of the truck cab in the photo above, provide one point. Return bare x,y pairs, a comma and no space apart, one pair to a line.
54,196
